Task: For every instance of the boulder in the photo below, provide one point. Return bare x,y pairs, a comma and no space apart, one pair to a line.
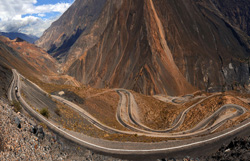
33,129
40,133
18,122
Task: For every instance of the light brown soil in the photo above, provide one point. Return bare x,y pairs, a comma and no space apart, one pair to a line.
157,114
102,104
208,107
104,108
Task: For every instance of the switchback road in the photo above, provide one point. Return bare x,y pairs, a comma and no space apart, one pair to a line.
174,147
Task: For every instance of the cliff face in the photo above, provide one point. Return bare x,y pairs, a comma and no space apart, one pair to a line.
76,20
153,46
132,53
78,29
206,48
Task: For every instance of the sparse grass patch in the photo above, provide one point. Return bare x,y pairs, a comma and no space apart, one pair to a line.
154,113
104,107
45,112
17,106
43,125
70,119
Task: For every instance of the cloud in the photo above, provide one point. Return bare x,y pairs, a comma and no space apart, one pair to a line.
24,16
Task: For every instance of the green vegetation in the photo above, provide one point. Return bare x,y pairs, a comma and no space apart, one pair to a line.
45,112
17,106
43,125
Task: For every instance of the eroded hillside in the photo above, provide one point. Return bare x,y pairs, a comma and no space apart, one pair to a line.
32,61
171,47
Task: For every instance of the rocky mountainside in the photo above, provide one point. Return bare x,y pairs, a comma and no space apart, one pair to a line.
237,149
78,21
27,58
236,12
172,47
32,61
22,138
5,79
29,55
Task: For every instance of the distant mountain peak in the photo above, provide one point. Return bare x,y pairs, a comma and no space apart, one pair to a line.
15,35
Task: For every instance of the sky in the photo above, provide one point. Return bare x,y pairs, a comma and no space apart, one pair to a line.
31,17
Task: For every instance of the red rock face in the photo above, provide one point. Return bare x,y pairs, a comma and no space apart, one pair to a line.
150,46
132,53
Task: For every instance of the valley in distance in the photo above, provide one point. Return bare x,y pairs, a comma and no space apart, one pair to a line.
130,80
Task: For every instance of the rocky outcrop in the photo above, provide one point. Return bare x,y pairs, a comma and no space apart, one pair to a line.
237,149
22,139
152,47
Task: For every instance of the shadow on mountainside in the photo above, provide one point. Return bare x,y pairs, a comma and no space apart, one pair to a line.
5,79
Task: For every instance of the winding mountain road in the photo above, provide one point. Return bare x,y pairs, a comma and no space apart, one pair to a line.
125,115
198,129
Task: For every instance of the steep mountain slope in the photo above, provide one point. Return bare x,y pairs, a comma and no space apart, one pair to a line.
14,35
26,57
153,46
5,79
11,59
205,47
32,61
77,21
235,12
